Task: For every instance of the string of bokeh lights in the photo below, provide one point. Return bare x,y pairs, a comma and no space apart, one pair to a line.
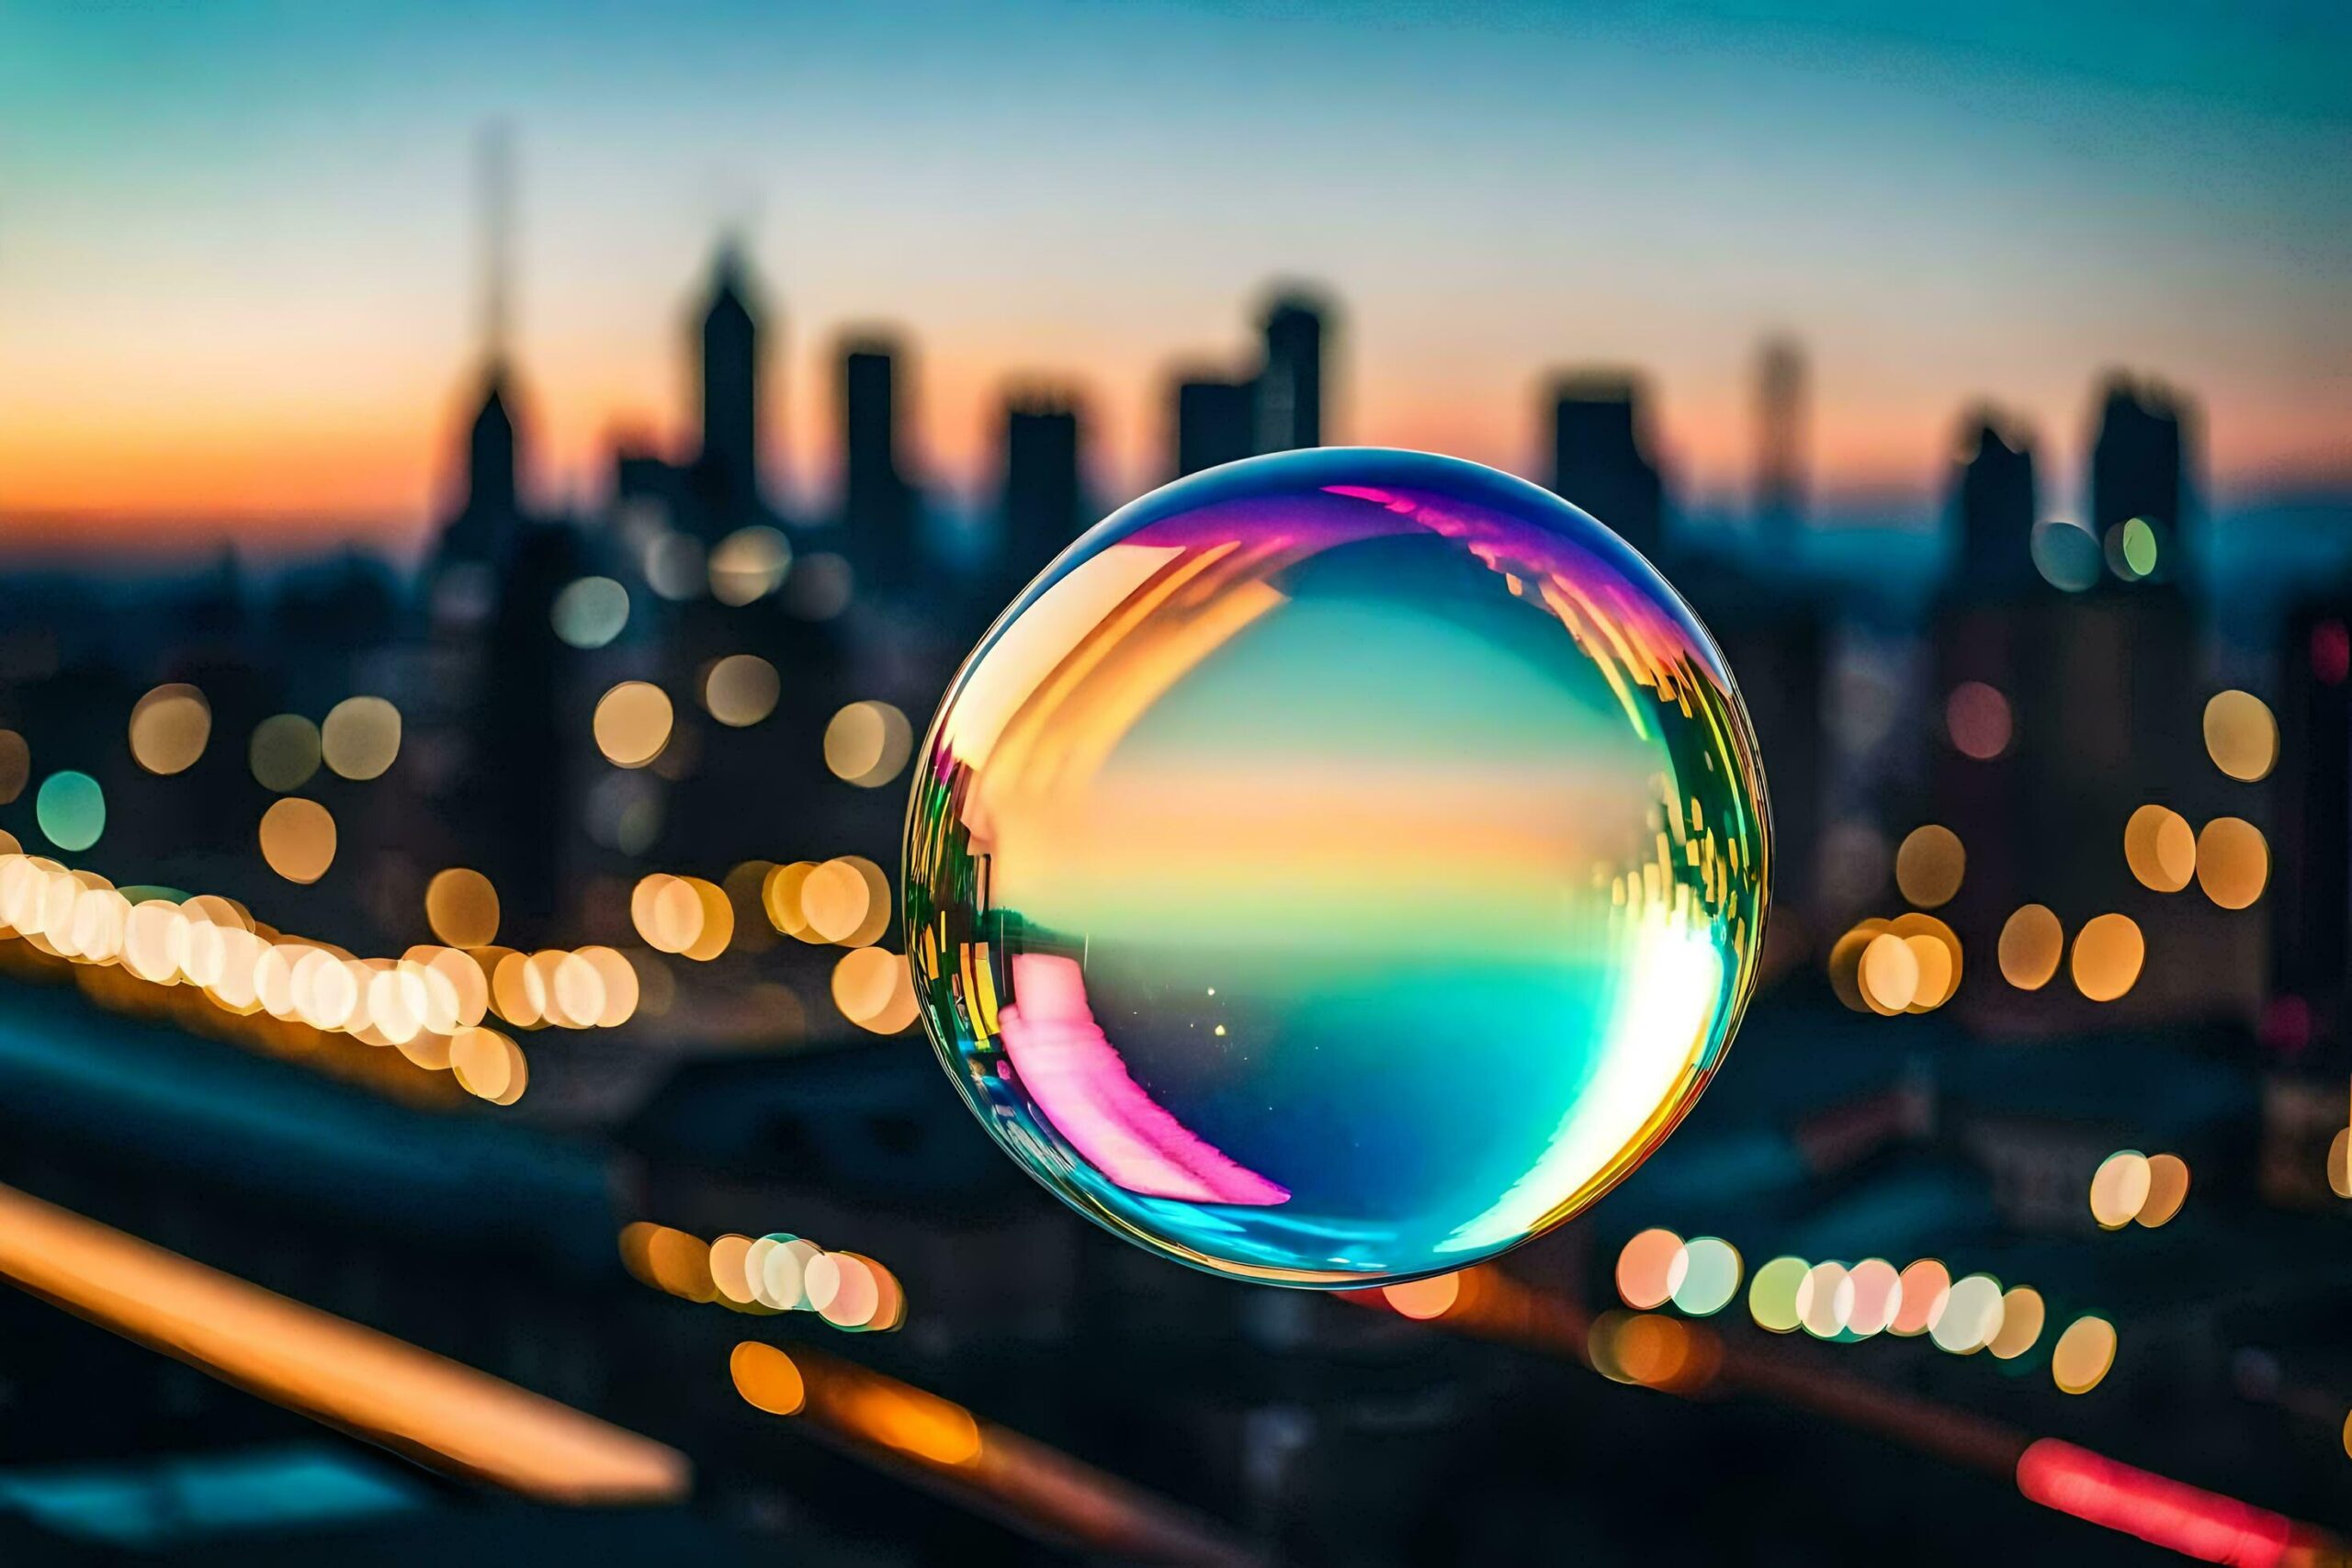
778,1272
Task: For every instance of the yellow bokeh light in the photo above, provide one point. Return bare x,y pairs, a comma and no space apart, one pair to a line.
461,906
748,564
1935,946
1889,974
846,901
667,912
767,1378
169,729
1845,963
1929,865
875,989
2167,1189
2022,1314
2241,736
740,690
714,923
297,839
2161,848
361,737
2032,943
2119,1188
780,897
621,989
632,724
2082,1355
489,1065
868,744
1424,1299
2339,1163
2232,861
2109,952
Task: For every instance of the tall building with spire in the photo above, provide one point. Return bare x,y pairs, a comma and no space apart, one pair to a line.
481,530
727,480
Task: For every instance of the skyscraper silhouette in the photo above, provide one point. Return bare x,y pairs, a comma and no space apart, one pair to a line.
1993,498
727,479
1780,437
1599,457
1215,422
878,504
2137,466
482,530
1290,387
1043,508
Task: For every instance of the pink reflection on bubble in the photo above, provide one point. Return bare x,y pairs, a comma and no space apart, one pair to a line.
1077,1080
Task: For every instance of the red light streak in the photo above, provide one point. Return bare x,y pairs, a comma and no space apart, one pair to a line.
2170,1514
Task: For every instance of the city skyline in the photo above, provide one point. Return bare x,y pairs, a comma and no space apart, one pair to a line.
189,359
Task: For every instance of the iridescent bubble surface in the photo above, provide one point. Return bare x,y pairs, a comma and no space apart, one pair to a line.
1338,867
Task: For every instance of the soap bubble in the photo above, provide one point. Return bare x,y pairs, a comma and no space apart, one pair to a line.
1338,867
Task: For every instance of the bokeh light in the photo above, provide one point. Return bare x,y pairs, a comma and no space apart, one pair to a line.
2032,944
461,906
1925,1285
71,809
2021,1318
1971,1315
2082,1355
283,752
748,564
2109,952
868,744
740,690
874,989
1869,1298
15,765
1645,1268
169,729
632,724
2167,1189
2241,736
361,737
1709,1277
1823,1300
1977,718
1772,1294
1889,974
1295,733
2066,553
2232,861
1929,865
2161,848
297,839
590,612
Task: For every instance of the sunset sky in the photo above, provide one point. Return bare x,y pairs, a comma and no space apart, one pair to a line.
237,240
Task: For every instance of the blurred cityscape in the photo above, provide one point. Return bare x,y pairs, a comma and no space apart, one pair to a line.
2030,1159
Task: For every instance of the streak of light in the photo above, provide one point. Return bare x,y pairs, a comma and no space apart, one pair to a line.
973,1462
437,1412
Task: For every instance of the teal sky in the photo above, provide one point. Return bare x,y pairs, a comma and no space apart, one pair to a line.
235,240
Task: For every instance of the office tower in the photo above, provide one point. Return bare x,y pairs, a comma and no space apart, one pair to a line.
878,504
1993,500
1600,456
2311,902
1290,387
1042,509
1215,422
2137,471
728,469
1780,437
